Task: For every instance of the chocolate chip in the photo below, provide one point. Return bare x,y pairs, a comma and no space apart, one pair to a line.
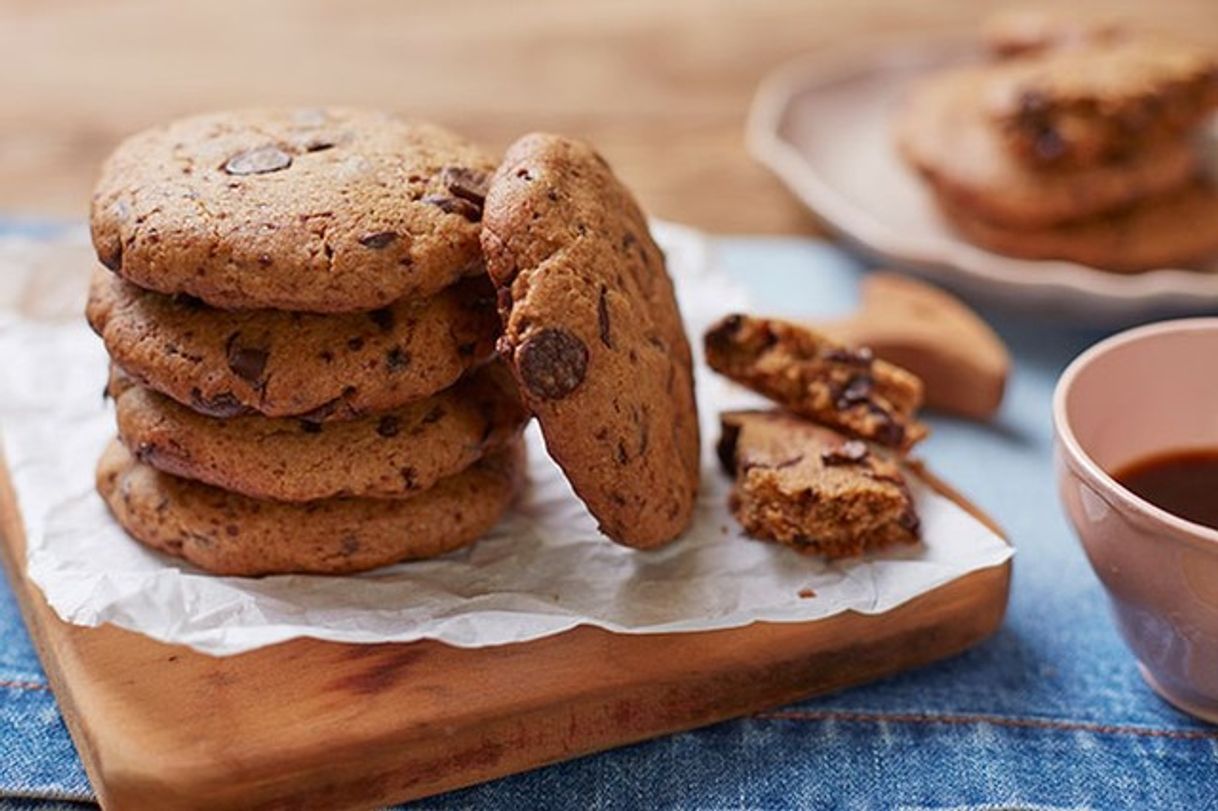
552,363
388,426
318,145
602,317
468,184
455,205
310,427
188,302
355,344
258,161
222,405
246,363
857,390
890,433
397,359
862,356
726,447
852,452
408,477
383,318
378,240
720,337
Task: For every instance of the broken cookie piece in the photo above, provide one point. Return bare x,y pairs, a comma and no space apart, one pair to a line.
960,360
811,488
816,377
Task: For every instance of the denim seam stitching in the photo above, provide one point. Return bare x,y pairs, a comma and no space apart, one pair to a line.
997,720
24,685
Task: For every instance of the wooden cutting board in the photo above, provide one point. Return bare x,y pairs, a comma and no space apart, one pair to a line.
310,724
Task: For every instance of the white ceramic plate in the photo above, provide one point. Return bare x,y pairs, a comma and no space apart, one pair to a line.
823,124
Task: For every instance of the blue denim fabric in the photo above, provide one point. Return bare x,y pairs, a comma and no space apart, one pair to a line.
1050,713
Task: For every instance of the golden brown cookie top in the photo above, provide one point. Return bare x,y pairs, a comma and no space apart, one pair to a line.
594,336
316,210
947,133
1102,102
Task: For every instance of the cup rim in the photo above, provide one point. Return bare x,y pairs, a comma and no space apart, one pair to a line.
1081,461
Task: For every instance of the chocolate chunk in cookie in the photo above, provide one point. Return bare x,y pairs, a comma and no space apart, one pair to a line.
593,333
224,363
811,488
316,210
809,374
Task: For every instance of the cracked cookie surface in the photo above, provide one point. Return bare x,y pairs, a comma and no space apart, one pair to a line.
594,336
281,364
390,455
232,534
811,488
816,377
316,210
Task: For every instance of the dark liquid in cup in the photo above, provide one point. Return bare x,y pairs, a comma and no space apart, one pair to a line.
1185,483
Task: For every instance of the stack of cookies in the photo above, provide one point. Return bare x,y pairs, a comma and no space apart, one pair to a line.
1077,142
820,473
302,311
300,328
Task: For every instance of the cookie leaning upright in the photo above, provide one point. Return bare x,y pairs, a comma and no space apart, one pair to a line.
594,336
314,210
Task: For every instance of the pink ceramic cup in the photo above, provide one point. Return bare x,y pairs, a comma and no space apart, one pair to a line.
1150,390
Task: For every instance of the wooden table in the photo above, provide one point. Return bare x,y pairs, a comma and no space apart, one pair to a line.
661,88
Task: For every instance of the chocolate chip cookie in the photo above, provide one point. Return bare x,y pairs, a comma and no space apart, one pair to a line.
810,488
1102,103
594,336
807,373
230,534
1173,231
947,134
391,455
225,363
316,210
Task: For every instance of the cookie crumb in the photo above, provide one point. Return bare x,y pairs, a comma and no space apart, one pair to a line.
806,593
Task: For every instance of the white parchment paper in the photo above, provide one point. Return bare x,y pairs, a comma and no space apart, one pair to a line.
545,569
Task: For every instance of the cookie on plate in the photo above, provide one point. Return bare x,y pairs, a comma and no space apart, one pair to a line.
1173,231
948,135
390,455
1103,103
231,534
811,488
809,374
594,336
317,210
281,364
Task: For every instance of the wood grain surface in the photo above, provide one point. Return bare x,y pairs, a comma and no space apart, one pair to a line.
310,724
661,87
